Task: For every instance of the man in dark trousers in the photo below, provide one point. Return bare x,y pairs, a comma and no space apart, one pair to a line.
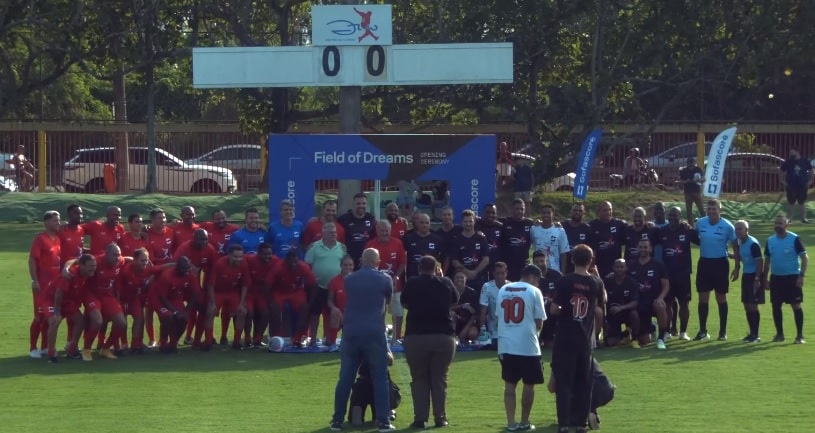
576,297
796,175
691,177
368,292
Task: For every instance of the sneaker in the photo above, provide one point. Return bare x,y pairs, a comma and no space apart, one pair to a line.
334,348
35,354
121,352
356,416
594,421
441,423
187,341
526,426
417,425
385,427
702,336
53,360
73,355
43,352
512,427
661,344
805,221
799,340
87,355
152,344
778,338
107,353
684,336
335,426
635,344
667,336
751,339
224,341
722,336
237,346
259,345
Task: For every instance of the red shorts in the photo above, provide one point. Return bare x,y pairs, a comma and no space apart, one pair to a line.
91,304
164,313
68,308
257,302
133,308
227,302
110,307
296,300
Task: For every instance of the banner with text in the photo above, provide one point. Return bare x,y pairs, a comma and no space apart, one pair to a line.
585,161
714,173
351,25
466,162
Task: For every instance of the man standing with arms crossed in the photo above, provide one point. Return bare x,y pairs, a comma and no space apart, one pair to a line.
782,253
713,269
368,292
520,314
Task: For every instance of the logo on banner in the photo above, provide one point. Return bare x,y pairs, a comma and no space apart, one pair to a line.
716,160
290,194
585,162
474,195
349,25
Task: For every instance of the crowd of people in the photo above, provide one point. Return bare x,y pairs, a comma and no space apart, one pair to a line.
466,283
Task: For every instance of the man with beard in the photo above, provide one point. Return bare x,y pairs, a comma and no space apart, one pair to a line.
623,300
398,224
608,238
470,252
202,256
653,286
359,226
421,242
392,261
220,231
314,228
491,228
550,240
658,223
66,295
72,235
173,294
105,233
251,235
131,285
448,231
676,239
547,285
183,231
515,240
257,303
577,232
782,252
637,231
159,247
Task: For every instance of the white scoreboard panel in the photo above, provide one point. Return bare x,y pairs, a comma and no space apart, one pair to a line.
373,65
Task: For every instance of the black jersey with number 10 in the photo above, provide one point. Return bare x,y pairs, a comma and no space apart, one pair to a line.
577,296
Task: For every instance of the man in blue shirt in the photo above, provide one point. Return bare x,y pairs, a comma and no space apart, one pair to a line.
796,177
285,234
786,258
752,278
250,236
713,269
368,293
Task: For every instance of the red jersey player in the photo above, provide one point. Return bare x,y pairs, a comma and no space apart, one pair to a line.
226,292
65,296
135,237
105,233
43,267
220,231
290,283
131,285
257,299
72,235
393,261
336,301
314,228
399,225
103,295
202,255
159,238
184,230
171,289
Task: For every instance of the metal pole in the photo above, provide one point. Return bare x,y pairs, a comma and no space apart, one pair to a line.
350,114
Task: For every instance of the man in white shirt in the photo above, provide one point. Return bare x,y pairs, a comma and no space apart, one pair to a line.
489,301
551,240
520,314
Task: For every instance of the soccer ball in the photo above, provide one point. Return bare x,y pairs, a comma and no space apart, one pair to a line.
276,344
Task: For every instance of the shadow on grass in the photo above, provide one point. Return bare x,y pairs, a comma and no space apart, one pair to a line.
216,361
684,352
403,424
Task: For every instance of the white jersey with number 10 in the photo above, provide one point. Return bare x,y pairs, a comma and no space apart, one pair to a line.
519,305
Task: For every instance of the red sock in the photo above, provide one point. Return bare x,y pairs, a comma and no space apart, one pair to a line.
52,353
209,335
326,319
70,325
123,338
332,334
164,334
148,324
103,330
224,323
89,337
236,337
34,333
44,333
113,339
191,322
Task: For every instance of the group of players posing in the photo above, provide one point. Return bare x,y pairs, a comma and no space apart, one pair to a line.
251,275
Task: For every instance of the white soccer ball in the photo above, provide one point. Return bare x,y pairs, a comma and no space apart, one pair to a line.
276,344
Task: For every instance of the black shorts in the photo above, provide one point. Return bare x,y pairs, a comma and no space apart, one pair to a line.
680,289
615,323
713,274
318,304
646,312
784,290
796,194
748,294
519,367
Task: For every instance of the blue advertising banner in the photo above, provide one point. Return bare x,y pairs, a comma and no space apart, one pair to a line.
296,161
714,173
584,163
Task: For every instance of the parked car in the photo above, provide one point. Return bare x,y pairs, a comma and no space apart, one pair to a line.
752,172
561,183
667,162
243,159
85,172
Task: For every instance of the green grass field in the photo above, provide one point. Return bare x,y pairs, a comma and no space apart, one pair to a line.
691,387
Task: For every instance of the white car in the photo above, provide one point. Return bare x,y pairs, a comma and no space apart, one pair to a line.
243,159
85,173
561,183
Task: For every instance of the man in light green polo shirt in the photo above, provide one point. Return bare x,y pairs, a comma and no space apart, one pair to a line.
324,257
